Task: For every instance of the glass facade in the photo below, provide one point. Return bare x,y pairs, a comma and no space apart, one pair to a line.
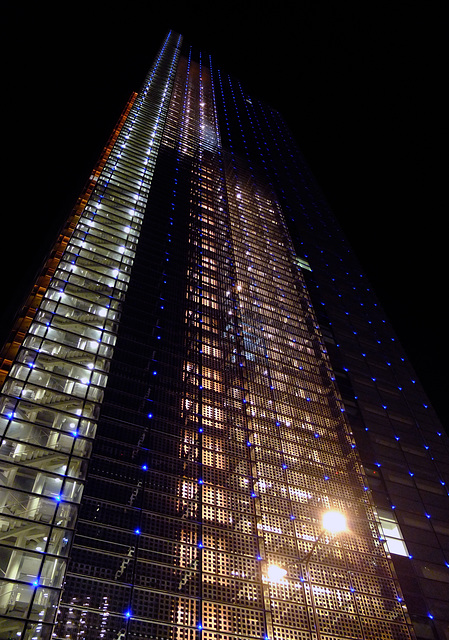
176,415
401,442
54,389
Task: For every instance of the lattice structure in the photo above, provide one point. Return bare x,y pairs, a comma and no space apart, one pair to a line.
180,311
51,397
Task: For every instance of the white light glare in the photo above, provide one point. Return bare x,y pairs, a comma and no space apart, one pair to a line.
334,522
275,573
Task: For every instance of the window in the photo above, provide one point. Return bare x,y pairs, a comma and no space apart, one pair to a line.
394,540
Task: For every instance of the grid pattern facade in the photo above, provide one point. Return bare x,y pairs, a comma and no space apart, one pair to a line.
52,394
178,349
402,444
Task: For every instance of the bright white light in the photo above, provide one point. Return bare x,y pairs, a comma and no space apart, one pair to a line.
275,573
334,522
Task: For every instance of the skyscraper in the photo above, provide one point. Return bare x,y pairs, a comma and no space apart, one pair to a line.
199,375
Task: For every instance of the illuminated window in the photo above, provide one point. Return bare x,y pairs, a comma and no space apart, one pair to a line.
394,540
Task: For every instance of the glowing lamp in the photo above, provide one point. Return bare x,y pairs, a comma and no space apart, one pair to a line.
275,573
334,522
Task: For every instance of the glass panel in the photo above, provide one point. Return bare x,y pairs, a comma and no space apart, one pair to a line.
394,539
396,546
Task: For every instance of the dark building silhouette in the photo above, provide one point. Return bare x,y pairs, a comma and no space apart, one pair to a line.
200,373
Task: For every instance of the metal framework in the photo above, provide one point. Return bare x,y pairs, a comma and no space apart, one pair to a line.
177,339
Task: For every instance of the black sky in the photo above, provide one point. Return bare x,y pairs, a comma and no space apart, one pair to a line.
361,85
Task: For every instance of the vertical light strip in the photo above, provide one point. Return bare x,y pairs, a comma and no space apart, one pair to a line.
22,323
52,395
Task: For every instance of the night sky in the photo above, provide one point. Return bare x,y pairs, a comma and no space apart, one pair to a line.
360,84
